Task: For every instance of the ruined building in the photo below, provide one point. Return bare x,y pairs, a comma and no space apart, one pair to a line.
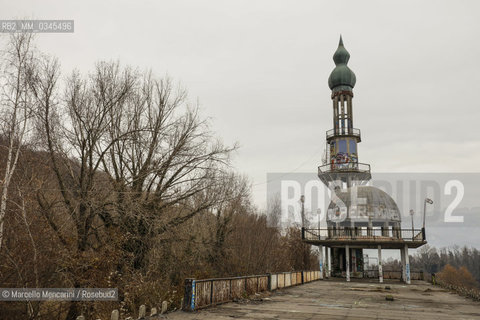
359,216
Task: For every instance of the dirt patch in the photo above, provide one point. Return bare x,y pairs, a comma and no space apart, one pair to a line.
377,289
435,290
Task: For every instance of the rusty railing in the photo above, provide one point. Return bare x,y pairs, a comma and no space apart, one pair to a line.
209,292
363,233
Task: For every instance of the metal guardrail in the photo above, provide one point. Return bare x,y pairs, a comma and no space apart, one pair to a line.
345,166
209,292
343,132
363,233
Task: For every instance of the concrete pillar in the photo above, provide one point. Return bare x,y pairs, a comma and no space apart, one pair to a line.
320,260
407,265
335,114
154,312
347,262
342,113
327,263
402,259
370,227
350,113
380,270
142,311
115,315
399,230
385,230
330,262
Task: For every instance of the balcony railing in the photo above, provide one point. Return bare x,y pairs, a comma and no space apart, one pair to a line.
343,132
345,166
363,233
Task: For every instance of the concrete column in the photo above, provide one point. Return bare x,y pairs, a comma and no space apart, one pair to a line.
327,263
142,311
320,260
350,113
407,266
399,230
330,262
385,230
402,259
347,262
380,270
335,115
342,113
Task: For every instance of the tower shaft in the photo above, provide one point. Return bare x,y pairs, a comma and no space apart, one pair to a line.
342,165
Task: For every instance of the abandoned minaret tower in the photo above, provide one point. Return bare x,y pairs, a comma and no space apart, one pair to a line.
342,153
359,216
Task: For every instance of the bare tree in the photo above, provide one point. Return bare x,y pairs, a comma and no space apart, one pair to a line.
16,108
163,159
77,145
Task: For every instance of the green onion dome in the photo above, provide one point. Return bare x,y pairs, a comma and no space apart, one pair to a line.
341,78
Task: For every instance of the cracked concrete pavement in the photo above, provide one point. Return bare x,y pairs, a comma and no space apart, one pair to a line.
337,299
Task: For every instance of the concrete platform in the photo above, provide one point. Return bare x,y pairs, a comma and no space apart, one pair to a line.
337,299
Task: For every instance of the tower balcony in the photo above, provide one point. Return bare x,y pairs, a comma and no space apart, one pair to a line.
345,166
364,237
348,132
354,171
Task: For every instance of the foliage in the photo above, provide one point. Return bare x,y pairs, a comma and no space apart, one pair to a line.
123,185
432,260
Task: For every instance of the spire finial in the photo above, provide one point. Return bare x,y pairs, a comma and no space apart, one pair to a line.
341,56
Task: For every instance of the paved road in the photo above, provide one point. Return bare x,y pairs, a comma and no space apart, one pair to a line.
336,299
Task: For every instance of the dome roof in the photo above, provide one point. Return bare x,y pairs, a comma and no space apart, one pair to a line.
371,204
341,78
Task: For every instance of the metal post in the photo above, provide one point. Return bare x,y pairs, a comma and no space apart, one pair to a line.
413,232
302,200
430,201
402,259
319,213
211,293
347,262
424,210
380,270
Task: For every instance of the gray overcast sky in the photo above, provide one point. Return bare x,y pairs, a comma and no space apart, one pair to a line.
260,69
